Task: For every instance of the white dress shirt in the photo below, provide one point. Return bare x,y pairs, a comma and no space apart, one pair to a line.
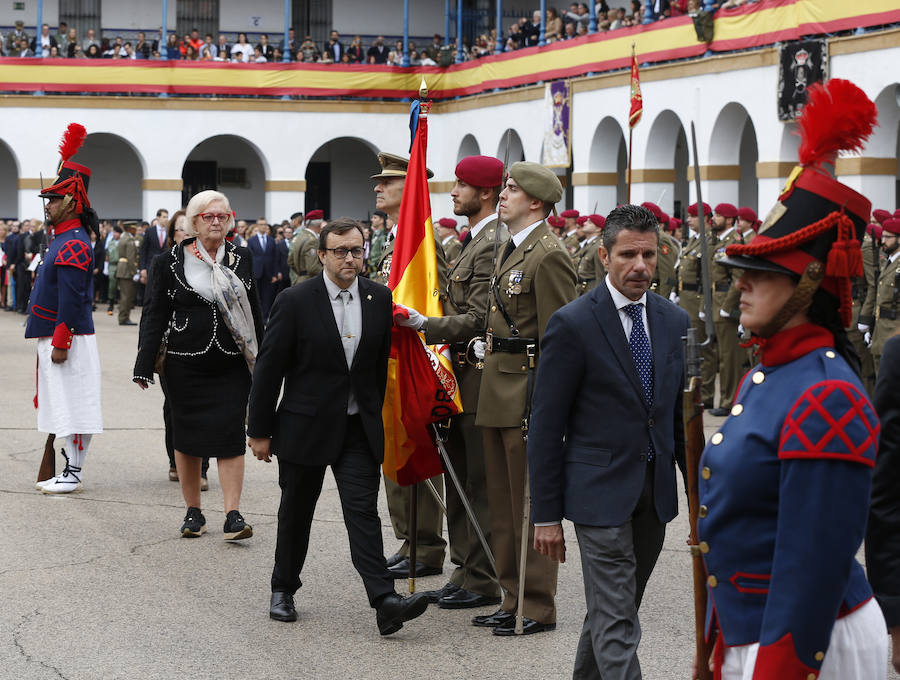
350,341
478,227
620,302
519,238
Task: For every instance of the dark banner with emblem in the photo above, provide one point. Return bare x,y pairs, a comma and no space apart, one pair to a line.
802,64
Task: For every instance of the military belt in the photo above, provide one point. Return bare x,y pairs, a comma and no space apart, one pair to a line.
888,313
721,287
509,345
458,352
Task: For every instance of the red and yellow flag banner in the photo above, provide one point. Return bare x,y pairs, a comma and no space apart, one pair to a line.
637,101
421,387
753,25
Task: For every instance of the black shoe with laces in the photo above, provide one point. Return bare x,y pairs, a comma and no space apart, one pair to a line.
194,523
235,527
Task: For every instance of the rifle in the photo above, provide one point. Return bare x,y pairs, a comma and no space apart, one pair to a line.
692,410
705,275
48,462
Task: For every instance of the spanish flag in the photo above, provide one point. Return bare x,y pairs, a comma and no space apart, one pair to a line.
637,101
421,387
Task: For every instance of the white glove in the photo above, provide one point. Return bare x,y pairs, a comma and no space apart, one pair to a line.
867,338
415,320
673,296
702,315
740,330
136,277
862,328
478,348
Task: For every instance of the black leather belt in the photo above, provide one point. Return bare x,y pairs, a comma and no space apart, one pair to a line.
458,352
888,313
510,345
690,286
721,287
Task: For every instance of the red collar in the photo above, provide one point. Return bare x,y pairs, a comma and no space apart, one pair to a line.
68,225
793,343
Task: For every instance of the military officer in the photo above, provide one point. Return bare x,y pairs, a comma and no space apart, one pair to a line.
449,239
475,195
690,298
377,239
570,236
112,259
887,299
747,223
303,258
664,278
863,319
729,356
126,271
533,278
588,265
430,543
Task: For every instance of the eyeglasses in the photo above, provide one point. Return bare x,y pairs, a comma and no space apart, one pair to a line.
341,253
209,218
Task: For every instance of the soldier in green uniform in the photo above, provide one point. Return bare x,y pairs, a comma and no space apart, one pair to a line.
588,265
303,258
377,239
475,196
430,543
533,278
126,270
112,260
690,299
729,355
863,292
747,223
449,239
664,278
571,236
887,297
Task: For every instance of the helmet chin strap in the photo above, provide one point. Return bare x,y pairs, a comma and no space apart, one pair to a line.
799,301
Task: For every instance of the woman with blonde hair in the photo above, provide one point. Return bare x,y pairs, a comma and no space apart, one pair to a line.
203,302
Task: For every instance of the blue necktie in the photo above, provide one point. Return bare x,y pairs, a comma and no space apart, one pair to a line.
643,359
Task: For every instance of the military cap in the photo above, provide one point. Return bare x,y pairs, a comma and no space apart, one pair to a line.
599,220
480,171
381,213
655,209
20,23
881,215
892,226
537,181
747,214
447,222
663,217
897,214
130,224
581,220
674,224
393,165
315,215
569,214
692,209
726,210
874,230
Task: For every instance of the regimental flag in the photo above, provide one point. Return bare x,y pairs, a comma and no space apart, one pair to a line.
421,387
637,101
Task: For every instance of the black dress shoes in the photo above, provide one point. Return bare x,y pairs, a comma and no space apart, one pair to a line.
435,596
498,618
529,626
466,599
128,323
719,412
394,610
393,559
401,569
281,608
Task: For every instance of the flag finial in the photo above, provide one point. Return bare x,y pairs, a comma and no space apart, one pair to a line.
423,89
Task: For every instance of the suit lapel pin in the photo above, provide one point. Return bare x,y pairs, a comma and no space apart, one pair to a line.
368,297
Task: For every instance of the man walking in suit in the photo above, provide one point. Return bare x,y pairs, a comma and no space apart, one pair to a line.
153,243
265,265
605,436
334,372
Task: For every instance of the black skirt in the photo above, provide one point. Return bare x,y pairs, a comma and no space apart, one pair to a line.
208,396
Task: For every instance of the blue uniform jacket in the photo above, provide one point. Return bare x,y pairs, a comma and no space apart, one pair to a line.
60,303
784,493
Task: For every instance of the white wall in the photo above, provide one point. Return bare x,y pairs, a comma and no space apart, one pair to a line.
385,17
258,16
49,15
116,15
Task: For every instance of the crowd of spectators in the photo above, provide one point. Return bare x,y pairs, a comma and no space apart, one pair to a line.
559,24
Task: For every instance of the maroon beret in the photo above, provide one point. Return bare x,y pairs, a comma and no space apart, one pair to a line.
599,220
897,214
556,221
448,222
315,215
747,214
674,224
881,215
480,171
581,220
652,207
569,213
692,209
874,230
892,226
663,217
726,210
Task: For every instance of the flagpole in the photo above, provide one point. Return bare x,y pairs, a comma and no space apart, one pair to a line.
628,172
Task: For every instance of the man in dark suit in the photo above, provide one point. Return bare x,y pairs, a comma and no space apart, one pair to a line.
606,434
328,340
153,243
265,265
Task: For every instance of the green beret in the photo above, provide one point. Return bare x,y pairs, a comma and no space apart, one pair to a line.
537,181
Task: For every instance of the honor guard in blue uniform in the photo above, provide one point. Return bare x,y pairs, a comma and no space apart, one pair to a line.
785,482
59,316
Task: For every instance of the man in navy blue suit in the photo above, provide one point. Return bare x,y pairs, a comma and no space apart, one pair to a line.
605,437
265,265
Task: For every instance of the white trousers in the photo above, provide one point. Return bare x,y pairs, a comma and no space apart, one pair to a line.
858,649
68,394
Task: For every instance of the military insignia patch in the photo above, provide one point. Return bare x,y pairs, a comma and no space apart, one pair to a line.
665,249
514,286
386,267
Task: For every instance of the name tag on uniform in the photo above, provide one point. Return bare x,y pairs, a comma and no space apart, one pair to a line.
514,286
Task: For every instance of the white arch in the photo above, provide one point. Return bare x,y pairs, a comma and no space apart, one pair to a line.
468,147
347,188
660,151
883,142
605,145
117,172
234,139
725,141
516,150
9,176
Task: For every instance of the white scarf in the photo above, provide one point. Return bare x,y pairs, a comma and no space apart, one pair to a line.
230,296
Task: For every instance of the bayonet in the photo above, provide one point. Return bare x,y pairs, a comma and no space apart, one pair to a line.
705,264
